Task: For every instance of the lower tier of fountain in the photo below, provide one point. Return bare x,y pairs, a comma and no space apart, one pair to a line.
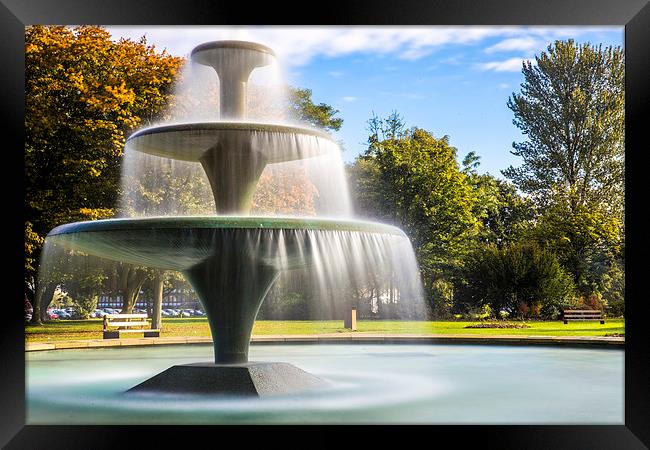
180,243
232,262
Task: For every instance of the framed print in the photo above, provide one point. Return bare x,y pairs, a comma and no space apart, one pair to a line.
427,213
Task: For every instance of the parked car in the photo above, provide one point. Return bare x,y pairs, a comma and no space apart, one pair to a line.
29,310
73,313
62,314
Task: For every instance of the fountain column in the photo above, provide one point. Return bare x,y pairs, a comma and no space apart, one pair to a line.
232,167
232,284
232,288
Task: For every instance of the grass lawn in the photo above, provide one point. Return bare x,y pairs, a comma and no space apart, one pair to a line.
61,330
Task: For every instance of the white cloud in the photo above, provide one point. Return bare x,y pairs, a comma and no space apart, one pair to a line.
525,44
349,99
335,73
298,45
504,85
509,65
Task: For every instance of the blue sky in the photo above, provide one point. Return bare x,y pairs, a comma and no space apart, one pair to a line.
451,81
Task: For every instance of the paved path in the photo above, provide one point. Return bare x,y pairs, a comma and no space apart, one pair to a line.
347,338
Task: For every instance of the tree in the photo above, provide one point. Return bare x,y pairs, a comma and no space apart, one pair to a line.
85,283
411,179
571,109
504,214
303,108
284,190
84,93
588,241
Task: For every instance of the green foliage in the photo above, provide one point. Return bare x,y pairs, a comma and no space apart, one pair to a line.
571,108
520,279
287,306
319,115
587,240
411,179
154,186
614,292
504,214
441,293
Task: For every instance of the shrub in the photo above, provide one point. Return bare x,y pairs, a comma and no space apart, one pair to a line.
522,279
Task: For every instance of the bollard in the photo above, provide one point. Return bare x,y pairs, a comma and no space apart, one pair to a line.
350,320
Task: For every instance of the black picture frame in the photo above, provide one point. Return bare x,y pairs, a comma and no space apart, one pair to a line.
633,14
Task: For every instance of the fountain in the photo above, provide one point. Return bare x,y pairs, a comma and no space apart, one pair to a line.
232,259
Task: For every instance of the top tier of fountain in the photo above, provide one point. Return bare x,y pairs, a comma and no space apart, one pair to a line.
233,152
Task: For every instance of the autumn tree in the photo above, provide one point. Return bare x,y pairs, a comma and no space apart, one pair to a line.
84,93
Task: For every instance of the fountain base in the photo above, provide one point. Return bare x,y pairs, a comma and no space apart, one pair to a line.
258,379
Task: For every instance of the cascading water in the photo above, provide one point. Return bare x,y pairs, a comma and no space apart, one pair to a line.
232,259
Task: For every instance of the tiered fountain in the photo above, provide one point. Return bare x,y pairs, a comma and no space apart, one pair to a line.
232,259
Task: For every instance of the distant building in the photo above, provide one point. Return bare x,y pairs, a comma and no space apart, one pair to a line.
176,298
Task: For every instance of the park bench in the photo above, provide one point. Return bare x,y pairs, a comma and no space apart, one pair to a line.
128,323
582,314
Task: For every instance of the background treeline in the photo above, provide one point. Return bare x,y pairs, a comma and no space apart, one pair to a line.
548,235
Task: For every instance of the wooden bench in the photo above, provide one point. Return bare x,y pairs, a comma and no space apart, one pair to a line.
130,323
582,314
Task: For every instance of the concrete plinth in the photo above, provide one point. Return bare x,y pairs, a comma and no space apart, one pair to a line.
257,379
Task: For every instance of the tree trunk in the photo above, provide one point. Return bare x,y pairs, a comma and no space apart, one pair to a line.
44,295
131,284
158,282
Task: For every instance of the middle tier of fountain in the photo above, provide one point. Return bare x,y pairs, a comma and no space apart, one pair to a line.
233,154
